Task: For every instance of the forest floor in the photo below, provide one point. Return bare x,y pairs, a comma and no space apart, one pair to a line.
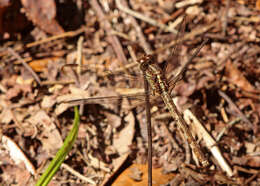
220,90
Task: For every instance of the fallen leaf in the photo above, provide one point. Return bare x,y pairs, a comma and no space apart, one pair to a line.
50,138
6,115
250,147
17,154
122,144
257,4
15,174
41,64
48,101
42,13
126,177
237,78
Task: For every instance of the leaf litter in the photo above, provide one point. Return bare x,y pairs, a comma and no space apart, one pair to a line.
111,138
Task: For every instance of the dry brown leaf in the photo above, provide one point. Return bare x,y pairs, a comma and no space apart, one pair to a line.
6,116
257,4
42,13
122,144
41,64
113,119
50,138
236,77
128,177
48,101
16,174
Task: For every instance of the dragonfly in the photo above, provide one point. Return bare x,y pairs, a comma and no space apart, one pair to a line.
155,77
159,85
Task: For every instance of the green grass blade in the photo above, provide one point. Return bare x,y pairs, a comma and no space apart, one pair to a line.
61,154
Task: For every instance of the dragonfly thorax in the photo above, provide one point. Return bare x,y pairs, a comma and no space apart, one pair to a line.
153,74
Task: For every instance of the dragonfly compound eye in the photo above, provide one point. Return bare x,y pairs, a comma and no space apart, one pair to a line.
144,65
145,61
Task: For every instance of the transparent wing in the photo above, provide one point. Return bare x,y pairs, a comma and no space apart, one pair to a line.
174,59
107,73
105,99
172,82
137,99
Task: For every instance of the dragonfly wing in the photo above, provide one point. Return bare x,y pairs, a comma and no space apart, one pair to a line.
99,69
174,59
77,100
172,82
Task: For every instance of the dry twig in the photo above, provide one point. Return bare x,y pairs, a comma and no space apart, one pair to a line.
144,18
233,105
112,39
210,142
18,57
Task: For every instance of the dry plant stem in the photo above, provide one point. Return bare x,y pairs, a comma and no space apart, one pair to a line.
144,18
79,65
172,17
122,35
249,170
143,43
76,77
112,39
132,53
187,2
63,35
252,19
58,82
251,179
79,54
77,174
225,19
176,180
233,105
229,125
149,131
18,57
148,113
210,142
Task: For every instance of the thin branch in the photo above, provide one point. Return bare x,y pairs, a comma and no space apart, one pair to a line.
225,19
233,105
112,38
18,57
143,43
144,18
210,142
77,174
63,35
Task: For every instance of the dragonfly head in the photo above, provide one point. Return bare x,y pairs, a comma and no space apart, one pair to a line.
145,61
